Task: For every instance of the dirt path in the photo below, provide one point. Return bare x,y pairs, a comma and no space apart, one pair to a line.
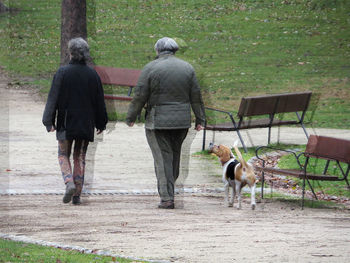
203,231
119,213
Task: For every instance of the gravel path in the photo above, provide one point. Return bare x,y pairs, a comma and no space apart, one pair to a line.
119,214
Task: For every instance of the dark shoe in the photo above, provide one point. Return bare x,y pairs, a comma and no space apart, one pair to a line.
70,190
166,205
76,200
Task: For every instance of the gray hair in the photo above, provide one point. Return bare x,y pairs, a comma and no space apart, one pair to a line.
166,44
79,49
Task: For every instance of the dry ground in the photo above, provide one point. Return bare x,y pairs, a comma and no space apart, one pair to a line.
201,229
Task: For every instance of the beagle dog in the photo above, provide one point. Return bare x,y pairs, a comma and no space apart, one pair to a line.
236,173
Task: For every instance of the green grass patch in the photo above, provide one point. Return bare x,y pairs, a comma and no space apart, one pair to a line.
239,48
11,251
250,151
295,201
205,154
116,116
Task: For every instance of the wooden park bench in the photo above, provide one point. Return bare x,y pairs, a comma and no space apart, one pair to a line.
123,77
319,147
270,106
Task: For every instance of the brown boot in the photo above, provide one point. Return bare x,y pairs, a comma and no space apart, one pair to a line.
166,205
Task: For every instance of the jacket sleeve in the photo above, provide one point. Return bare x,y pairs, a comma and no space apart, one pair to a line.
101,117
197,101
49,115
141,95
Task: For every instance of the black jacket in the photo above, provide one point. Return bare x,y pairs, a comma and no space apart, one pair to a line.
75,104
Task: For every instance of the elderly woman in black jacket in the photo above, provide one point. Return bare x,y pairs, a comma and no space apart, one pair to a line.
75,106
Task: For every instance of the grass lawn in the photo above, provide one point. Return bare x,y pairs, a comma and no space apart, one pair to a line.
250,151
11,251
239,48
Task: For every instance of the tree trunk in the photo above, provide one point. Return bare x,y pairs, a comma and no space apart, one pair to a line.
3,8
73,24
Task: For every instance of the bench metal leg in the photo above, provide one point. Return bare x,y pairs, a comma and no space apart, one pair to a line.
347,182
303,195
204,134
320,186
262,181
241,139
269,136
346,176
307,135
326,167
302,125
237,130
312,189
304,179
262,185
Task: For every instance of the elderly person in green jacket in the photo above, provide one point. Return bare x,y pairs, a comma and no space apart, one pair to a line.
168,87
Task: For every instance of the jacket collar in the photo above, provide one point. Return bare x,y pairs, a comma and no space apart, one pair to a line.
164,54
81,62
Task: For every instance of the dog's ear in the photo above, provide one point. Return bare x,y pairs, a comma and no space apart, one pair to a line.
231,154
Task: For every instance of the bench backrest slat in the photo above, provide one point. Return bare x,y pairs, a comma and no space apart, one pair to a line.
118,76
270,104
328,148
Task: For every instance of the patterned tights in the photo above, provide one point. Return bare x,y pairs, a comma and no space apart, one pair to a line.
79,153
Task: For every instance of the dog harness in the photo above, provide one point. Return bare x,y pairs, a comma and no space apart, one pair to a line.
229,168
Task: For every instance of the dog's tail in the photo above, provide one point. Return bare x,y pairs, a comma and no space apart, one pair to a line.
240,157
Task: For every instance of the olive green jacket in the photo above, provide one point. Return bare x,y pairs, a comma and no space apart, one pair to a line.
169,88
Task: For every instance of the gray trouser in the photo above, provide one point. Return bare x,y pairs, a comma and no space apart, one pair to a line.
166,151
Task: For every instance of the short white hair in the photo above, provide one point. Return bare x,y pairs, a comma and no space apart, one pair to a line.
79,49
166,44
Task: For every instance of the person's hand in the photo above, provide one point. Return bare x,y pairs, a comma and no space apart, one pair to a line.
52,129
199,127
98,131
131,124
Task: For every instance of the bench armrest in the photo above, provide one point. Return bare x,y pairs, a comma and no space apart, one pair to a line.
222,111
225,112
278,149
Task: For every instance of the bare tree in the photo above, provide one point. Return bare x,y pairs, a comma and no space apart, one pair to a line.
73,24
